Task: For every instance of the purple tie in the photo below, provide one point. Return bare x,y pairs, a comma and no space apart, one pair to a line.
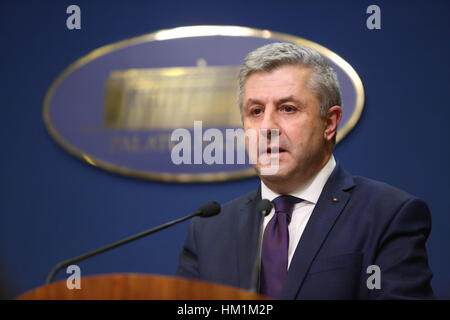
274,255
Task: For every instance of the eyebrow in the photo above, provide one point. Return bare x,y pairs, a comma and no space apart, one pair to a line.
252,101
279,101
291,99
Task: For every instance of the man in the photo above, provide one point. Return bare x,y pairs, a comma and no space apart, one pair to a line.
327,229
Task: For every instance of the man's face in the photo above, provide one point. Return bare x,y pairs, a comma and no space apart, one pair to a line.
281,100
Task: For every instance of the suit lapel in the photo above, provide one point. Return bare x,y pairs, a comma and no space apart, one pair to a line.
323,217
247,238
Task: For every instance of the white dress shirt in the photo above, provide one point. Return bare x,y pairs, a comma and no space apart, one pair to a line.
310,193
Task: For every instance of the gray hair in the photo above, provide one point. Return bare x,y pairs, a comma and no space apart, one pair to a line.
323,82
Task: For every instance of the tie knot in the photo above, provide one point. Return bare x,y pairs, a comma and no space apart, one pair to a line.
285,204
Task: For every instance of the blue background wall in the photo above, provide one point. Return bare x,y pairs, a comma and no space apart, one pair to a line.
52,206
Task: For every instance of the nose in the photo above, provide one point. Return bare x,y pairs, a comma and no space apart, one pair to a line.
269,124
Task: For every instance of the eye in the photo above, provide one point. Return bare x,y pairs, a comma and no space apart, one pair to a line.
256,111
288,108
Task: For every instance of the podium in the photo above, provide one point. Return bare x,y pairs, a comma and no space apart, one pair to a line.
139,287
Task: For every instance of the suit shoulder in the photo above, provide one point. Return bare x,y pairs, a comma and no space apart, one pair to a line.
381,189
384,198
381,204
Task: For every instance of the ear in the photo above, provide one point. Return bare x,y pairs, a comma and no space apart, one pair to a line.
332,120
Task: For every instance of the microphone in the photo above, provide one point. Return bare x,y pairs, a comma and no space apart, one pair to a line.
205,211
264,206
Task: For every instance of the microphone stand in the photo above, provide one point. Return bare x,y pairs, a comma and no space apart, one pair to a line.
89,254
254,287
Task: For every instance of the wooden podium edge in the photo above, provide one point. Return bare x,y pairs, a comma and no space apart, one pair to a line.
137,286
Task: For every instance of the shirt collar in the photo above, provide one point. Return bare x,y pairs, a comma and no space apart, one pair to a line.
311,190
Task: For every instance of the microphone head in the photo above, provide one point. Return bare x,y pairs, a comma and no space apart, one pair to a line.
209,209
264,207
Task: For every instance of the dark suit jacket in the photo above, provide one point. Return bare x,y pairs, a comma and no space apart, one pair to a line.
371,223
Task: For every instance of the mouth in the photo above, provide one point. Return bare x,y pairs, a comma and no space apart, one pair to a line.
274,150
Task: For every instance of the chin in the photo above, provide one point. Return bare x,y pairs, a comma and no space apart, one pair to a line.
272,175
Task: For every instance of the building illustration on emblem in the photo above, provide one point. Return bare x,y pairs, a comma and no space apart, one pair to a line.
168,98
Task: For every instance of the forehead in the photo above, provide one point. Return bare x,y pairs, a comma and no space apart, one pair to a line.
287,79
